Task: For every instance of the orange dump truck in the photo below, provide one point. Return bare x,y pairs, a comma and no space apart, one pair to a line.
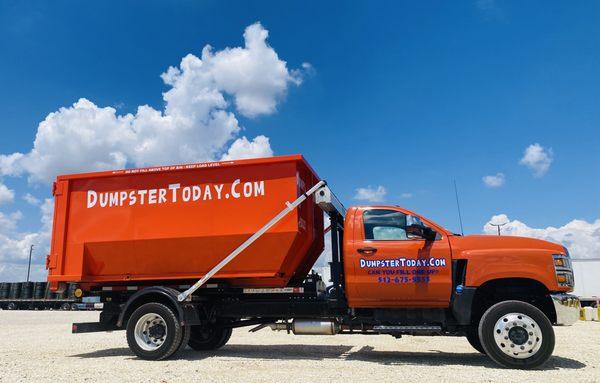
181,255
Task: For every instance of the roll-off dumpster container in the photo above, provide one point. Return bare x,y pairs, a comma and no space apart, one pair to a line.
177,222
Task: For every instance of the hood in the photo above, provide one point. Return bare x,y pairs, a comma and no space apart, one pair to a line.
495,242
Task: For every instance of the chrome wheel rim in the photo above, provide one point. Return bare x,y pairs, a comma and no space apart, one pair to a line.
150,332
518,335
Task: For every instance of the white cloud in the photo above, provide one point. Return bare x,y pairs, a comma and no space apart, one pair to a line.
254,75
197,123
14,245
406,195
371,194
582,238
8,222
17,272
6,195
9,164
242,148
30,199
538,159
494,181
497,220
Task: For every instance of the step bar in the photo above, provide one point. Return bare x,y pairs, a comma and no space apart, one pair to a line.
396,329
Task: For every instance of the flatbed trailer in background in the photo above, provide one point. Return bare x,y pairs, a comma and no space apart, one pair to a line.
39,304
37,296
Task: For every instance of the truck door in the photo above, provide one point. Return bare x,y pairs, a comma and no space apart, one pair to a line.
387,267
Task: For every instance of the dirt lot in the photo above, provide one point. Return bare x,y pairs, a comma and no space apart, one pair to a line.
38,347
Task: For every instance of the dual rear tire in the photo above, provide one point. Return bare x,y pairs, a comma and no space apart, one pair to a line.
208,338
514,334
154,333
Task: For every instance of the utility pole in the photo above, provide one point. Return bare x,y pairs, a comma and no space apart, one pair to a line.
498,225
29,265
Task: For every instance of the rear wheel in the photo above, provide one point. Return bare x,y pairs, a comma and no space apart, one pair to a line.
516,334
185,338
208,337
154,332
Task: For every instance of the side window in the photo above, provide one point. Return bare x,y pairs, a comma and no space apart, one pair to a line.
385,225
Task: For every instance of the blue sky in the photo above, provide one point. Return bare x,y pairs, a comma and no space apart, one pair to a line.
407,96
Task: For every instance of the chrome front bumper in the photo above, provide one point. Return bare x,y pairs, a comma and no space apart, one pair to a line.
567,308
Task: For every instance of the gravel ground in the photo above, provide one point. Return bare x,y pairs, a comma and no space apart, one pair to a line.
38,347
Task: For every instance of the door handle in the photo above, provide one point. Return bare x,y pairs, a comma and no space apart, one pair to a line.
367,250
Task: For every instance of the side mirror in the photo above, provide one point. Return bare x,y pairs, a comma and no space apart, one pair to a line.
416,227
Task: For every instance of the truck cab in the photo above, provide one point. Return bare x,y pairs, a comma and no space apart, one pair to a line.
398,260
394,257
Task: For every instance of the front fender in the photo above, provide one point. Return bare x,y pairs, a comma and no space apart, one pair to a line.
486,265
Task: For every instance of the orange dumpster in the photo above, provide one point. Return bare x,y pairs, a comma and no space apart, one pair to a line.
174,223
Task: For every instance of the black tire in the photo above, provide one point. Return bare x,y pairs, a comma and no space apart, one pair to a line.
172,340
473,338
185,338
488,332
208,338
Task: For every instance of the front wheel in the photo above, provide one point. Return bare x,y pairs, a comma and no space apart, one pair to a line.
208,337
516,334
473,338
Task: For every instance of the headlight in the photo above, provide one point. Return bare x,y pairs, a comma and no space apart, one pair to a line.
563,269
561,262
565,279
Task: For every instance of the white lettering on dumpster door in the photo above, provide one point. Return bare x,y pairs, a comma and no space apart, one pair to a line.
259,188
247,189
234,193
103,199
114,199
219,189
132,198
187,194
196,192
175,193
174,188
142,194
92,198
207,193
